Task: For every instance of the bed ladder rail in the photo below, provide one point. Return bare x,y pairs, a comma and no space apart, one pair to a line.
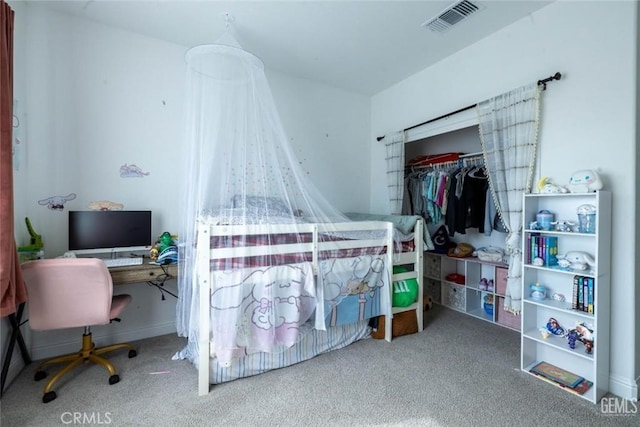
416,273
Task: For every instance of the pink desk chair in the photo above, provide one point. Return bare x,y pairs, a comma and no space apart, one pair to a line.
69,293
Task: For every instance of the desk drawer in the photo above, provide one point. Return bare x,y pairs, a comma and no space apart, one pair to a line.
140,273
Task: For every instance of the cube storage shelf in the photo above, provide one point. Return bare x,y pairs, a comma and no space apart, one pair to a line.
536,313
464,293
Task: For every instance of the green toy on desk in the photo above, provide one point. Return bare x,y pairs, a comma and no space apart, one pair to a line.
34,250
164,249
35,241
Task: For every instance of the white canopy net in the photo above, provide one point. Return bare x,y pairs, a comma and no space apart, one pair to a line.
241,169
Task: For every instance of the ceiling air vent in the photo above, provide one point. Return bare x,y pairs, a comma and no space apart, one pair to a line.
451,16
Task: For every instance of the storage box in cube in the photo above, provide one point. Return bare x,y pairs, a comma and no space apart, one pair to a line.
432,265
505,318
454,296
501,280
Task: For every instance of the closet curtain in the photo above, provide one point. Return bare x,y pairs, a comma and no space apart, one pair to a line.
508,126
12,288
395,170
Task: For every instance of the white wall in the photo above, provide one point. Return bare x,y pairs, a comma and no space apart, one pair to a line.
588,121
95,97
99,97
329,131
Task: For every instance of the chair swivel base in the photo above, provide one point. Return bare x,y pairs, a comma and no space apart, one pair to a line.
88,353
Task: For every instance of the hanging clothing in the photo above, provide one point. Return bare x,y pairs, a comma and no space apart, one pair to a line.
474,194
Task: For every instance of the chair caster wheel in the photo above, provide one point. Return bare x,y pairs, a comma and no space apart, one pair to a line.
114,379
48,397
132,353
40,375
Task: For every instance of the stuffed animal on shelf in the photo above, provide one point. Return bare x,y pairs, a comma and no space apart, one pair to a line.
564,225
576,260
546,186
585,181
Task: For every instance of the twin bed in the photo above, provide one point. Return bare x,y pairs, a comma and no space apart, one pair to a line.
272,295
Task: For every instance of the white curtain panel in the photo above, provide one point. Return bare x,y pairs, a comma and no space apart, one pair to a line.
395,171
508,126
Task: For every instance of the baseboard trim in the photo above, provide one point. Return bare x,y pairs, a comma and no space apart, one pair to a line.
52,350
623,387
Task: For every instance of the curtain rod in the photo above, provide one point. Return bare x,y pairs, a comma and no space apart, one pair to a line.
541,82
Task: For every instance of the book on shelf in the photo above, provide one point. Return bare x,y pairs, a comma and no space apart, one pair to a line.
580,389
590,298
557,374
583,294
551,253
543,247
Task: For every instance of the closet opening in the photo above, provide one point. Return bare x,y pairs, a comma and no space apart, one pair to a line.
466,142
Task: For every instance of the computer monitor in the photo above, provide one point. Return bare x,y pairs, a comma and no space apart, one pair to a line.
109,231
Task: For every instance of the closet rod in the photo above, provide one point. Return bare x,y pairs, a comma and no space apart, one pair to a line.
543,82
441,117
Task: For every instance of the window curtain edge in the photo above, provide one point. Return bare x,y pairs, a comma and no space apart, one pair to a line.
12,288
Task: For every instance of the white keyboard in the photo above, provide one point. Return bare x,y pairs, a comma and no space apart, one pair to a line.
123,262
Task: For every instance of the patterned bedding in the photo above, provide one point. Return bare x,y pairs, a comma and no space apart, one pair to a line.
312,343
269,308
263,309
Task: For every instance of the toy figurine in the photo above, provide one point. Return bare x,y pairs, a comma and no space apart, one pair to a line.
585,334
572,337
153,253
35,240
588,346
554,327
564,226
546,186
165,241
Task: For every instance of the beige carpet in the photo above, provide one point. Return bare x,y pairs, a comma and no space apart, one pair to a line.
459,371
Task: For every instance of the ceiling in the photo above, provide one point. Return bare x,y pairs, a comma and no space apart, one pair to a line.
360,46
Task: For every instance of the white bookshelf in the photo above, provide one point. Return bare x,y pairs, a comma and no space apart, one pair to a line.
535,348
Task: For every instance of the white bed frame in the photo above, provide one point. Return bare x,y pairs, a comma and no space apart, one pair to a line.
415,259
205,254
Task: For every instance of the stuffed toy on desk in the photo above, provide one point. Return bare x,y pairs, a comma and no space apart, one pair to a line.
165,250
